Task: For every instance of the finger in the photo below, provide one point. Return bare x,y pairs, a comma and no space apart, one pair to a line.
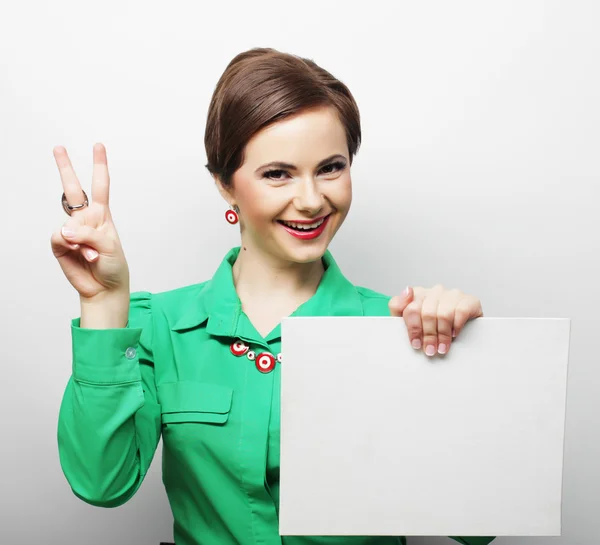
85,235
398,303
445,319
412,319
468,307
60,246
100,177
89,253
70,183
429,313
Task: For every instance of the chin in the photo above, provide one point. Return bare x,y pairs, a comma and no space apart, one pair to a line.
304,255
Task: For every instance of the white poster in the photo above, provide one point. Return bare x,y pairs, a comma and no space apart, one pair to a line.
380,439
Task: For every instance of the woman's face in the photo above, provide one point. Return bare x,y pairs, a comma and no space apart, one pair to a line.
294,188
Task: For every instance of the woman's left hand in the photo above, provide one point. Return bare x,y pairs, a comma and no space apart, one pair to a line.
434,315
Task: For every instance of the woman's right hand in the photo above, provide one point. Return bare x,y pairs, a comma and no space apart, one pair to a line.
92,257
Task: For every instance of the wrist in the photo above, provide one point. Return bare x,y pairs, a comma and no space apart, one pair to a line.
105,311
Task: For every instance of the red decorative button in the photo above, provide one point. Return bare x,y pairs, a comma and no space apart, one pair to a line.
250,355
239,348
279,357
265,362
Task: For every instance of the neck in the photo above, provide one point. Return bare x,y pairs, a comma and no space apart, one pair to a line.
263,278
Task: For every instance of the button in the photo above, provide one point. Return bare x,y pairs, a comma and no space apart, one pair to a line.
279,357
265,362
251,355
130,353
238,348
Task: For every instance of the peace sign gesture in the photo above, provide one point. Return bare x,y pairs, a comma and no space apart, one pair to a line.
87,246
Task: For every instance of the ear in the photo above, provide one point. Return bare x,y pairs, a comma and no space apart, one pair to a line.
225,191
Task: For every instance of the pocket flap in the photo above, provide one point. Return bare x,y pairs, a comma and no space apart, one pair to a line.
194,402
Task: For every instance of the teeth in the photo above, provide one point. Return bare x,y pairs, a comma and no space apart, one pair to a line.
303,226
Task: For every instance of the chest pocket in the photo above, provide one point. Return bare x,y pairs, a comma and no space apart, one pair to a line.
187,401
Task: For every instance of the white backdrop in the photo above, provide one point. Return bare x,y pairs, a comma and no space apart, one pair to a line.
479,170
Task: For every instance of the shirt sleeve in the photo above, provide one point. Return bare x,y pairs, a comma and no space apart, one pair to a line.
473,540
109,421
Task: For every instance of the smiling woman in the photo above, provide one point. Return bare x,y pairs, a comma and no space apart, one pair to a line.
301,197
280,138
199,365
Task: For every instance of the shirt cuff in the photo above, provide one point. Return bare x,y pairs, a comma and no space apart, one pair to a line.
105,356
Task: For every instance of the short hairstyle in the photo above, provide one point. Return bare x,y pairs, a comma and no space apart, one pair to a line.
262,86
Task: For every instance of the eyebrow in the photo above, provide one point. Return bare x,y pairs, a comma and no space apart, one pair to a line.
289,166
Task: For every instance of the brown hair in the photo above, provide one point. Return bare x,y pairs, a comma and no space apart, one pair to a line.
261,86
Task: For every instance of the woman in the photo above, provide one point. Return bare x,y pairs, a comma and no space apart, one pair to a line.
200,364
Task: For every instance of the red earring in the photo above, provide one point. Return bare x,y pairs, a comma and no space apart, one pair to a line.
231,216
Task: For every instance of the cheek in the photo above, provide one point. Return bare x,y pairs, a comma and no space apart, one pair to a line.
260,207
341,194
252,198
256,212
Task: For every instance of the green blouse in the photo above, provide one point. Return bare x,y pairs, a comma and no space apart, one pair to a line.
172,372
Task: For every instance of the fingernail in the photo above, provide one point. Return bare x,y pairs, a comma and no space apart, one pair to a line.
442,348
91,254
406,291
68,232
430,350
416,344
453,333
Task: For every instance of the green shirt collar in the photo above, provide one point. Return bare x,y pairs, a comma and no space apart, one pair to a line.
218,302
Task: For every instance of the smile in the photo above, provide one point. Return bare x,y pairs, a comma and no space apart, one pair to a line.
303,230
303,226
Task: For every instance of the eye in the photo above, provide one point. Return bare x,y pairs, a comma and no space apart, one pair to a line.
280,174
274,174
333,167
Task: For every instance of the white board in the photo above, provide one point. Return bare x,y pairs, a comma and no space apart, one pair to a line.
380,439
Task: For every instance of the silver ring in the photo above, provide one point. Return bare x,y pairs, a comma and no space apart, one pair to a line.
68,208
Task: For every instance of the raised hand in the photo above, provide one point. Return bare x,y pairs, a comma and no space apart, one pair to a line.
87,246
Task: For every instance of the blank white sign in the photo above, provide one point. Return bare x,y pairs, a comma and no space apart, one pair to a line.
379,439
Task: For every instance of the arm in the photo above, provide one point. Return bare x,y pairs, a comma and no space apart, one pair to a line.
109,422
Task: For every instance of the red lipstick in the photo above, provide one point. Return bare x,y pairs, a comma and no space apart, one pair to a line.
306,234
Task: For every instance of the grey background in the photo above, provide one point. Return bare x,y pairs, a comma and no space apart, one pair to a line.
479,170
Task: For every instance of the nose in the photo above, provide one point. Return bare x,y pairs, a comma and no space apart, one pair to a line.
309,197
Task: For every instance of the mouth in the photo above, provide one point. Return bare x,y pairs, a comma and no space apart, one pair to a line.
304,230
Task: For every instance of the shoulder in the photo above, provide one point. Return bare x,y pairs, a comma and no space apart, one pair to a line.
169,302
373,302
179,295
169,297
347,296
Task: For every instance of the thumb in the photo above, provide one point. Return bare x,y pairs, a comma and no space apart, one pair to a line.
398,303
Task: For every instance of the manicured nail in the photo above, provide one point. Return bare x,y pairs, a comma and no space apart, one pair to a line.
430,350
406,291
416,344
442,348
91,254
453,333
68,232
